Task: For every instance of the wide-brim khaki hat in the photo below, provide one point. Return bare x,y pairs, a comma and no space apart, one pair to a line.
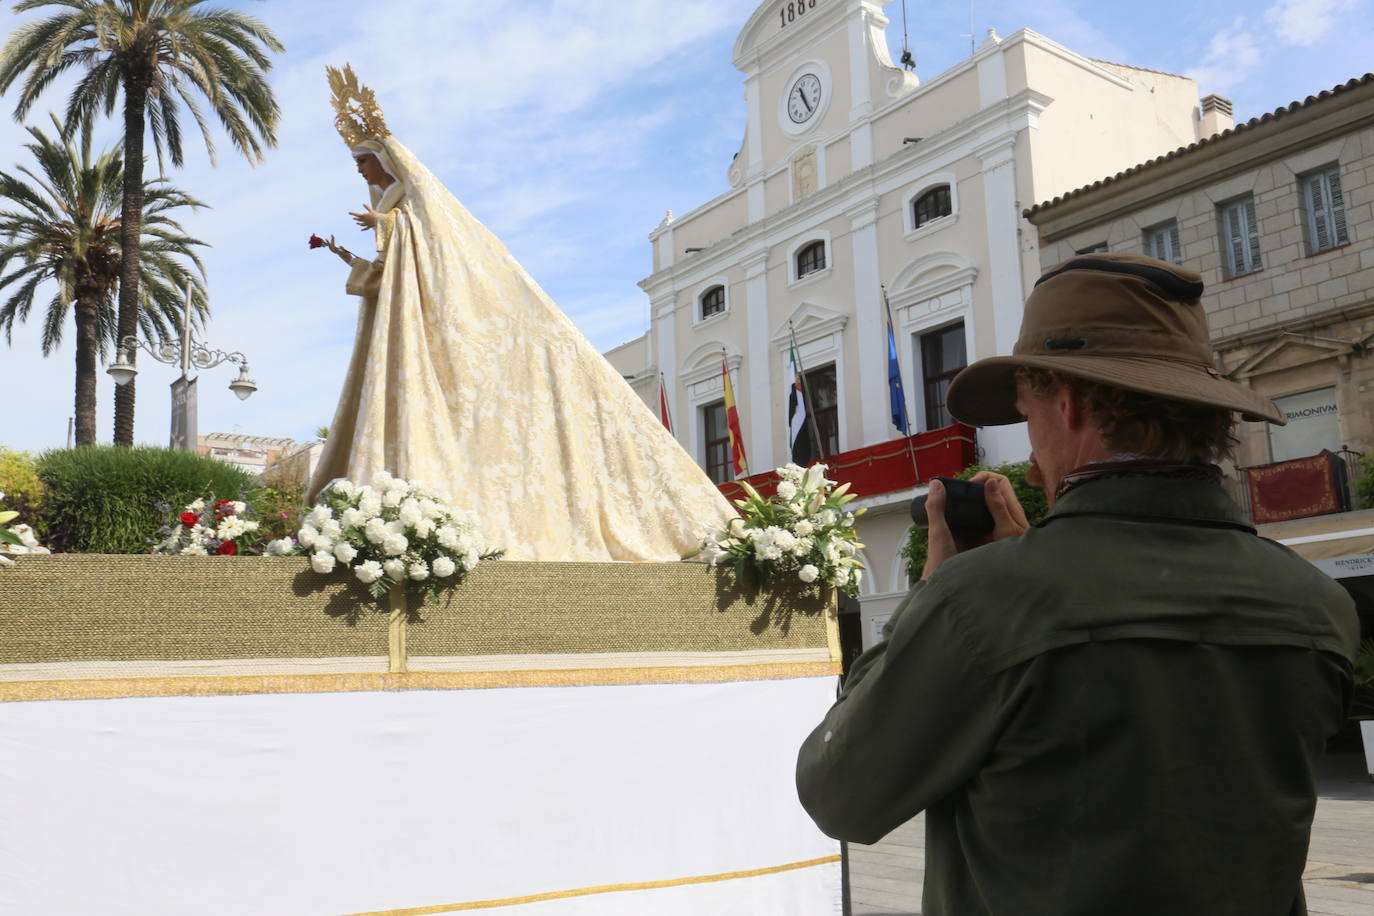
1125,320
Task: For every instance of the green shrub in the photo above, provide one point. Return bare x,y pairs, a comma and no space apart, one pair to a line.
1032,500
1363,484
22,488
112,499
278,510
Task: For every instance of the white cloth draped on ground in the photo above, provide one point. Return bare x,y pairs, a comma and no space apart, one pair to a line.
670,799
467,377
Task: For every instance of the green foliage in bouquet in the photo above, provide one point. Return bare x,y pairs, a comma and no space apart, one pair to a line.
1032,500
803,531
108,499
6,535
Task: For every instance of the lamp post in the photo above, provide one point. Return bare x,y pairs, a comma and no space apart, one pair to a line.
190,352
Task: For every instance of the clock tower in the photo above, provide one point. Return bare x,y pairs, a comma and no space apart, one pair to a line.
815,71
872,229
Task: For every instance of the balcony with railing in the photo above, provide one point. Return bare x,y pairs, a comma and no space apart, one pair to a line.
887,467
1284,491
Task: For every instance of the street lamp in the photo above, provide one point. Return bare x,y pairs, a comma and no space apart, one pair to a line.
188,353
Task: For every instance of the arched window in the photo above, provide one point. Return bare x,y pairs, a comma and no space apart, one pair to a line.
713,301
811,259
930,206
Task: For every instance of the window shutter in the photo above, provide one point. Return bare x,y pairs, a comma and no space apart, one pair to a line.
1235,242
1252,225
1338,233
1320,238
1156,239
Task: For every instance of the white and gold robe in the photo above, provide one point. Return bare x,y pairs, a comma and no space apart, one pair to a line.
467,377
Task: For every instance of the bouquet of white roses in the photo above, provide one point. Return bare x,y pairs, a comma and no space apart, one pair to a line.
390,532
206,527
803,530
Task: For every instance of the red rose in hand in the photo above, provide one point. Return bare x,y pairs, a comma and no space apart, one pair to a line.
189,519
316,241
227,549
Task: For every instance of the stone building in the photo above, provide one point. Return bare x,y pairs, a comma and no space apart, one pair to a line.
1278,216
855,176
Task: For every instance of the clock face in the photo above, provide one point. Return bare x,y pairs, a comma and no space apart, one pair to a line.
804,98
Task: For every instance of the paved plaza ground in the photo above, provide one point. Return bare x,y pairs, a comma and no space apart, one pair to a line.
885,879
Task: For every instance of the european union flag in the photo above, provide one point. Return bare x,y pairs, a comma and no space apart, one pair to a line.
894,382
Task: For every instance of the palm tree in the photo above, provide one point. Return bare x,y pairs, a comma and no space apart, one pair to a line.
160,54
63,225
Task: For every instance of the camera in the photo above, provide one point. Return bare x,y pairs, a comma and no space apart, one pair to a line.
966,511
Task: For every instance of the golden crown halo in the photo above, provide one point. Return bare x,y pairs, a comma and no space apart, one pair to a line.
357,117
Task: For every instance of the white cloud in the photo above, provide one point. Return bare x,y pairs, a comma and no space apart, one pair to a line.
1306,22
1231,56
1237,53
547,119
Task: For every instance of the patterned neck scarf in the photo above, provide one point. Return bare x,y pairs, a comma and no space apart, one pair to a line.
1133,465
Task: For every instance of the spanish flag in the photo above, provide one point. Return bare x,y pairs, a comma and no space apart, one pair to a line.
732,423
663,413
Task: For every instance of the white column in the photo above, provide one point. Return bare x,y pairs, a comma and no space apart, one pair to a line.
1004,250
860,90
870,342
753,132
761,401
1004,277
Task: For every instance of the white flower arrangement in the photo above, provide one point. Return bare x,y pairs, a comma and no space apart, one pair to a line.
389,532
803,531
207,527
16,540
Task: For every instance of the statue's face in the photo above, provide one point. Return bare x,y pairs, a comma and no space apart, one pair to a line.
371,169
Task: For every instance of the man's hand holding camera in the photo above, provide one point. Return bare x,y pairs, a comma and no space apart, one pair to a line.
1008,518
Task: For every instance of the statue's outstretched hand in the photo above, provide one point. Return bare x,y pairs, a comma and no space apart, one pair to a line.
344,254
366,219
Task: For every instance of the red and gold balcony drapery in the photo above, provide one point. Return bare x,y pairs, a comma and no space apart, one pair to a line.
887,466
1293,489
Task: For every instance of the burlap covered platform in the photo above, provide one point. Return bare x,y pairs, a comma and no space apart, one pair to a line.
227,736
86,616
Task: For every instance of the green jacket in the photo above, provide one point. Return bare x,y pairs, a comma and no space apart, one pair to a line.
1118,712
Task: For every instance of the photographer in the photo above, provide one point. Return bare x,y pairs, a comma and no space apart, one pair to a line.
1119,710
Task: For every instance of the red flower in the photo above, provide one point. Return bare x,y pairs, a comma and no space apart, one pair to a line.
189,519
227,549
316,241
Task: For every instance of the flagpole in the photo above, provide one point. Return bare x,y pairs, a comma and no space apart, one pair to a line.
806,393
910,446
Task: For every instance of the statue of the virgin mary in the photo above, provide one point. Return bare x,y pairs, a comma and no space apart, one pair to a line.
465,376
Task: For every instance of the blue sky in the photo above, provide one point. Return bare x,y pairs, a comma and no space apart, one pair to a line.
569,127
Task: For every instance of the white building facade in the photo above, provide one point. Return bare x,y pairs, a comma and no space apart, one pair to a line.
854,177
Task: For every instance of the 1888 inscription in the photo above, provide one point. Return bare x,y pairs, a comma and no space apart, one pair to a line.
793,10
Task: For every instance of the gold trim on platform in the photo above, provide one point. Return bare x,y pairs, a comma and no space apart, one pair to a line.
601,889
106,689
396,630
